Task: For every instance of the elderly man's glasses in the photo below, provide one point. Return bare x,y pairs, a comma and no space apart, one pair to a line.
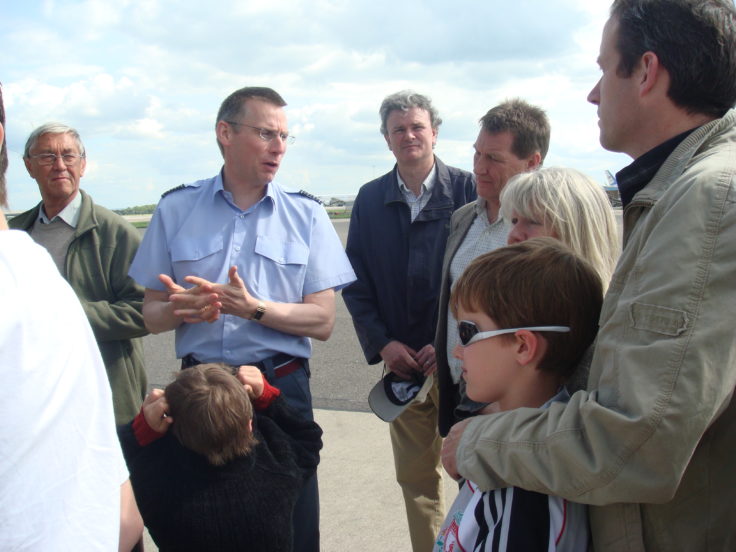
46,159
469,332
268,135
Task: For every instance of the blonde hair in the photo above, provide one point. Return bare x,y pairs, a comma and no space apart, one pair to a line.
574,206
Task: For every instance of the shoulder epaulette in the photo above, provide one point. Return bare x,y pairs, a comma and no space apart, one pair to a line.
311,196
175,189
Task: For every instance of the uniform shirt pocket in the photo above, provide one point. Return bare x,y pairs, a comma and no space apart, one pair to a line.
198,256
280,269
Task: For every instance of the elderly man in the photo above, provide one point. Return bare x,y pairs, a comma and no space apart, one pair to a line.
650,443
63,481
92,248
398,230
258,261
514,138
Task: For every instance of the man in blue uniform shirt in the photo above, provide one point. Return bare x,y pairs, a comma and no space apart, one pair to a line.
398,229
258,262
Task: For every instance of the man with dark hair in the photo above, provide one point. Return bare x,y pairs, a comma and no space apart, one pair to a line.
208,473
92,248
398,230
650,443
63,482
205,235
514,138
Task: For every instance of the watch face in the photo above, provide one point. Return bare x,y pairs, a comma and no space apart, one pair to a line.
260,309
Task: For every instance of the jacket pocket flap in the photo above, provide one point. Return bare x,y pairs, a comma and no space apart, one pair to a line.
282,252
655,318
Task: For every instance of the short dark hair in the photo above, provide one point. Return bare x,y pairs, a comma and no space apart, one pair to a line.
694,40
234,105
527,123
3,155
538,282
211,412
404,100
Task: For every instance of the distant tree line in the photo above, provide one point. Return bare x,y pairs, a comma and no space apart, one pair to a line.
137,210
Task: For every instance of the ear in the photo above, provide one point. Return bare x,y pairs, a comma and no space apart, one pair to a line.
28,167
530,347
83,167
388,143
224,132
250,425
534,161
434,137
650,73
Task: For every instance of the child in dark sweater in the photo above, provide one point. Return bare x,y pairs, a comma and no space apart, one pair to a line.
208,473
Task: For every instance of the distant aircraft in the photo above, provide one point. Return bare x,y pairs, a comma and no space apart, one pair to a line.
612,190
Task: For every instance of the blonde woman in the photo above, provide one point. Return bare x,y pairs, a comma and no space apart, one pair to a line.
564,204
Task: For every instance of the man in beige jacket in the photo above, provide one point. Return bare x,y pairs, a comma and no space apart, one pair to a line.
650,444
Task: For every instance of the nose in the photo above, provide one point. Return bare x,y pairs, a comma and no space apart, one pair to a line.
479,166
277,145
59,163
594,96
457,352
516,235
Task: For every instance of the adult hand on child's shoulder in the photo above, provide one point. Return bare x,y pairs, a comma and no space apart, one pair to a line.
449,448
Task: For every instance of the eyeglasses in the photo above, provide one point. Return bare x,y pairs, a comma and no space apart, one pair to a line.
268,135
469,332
46,159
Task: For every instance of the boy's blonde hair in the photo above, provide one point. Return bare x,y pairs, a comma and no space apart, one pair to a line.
538,282
572,205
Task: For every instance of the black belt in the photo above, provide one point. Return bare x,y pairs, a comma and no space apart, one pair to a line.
280,364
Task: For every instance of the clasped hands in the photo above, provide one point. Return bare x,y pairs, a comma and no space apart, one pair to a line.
205,301
404,361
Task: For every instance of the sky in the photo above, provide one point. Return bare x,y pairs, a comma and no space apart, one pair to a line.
142,82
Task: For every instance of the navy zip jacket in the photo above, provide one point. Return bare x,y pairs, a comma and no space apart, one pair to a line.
398,262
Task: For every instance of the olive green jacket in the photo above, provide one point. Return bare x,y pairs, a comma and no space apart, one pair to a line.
651,444
97,262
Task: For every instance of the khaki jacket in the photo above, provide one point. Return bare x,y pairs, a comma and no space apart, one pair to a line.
651,444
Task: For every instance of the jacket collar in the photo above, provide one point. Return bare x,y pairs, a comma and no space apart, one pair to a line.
87,218
441,191
677,162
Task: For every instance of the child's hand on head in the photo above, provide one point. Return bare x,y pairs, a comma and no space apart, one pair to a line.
156,411
252,378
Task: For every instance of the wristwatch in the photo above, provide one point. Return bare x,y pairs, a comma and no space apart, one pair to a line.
260,311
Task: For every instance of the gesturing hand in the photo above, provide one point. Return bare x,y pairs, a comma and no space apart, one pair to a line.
232,297
194,305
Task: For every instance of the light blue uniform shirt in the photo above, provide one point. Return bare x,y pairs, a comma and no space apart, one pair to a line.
284,246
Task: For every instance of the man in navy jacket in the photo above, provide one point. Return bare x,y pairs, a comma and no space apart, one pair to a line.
398,229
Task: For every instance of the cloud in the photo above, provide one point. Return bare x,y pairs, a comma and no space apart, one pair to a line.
142,81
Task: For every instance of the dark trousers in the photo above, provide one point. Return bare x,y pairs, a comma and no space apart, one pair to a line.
295,389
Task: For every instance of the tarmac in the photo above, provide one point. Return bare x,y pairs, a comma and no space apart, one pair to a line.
360,502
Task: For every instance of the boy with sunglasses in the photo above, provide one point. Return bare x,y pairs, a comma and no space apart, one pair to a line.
527,313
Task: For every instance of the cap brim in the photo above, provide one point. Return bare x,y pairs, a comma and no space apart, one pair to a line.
385,408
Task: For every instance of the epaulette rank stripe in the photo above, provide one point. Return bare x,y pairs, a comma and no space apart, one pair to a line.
179,187
311,196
